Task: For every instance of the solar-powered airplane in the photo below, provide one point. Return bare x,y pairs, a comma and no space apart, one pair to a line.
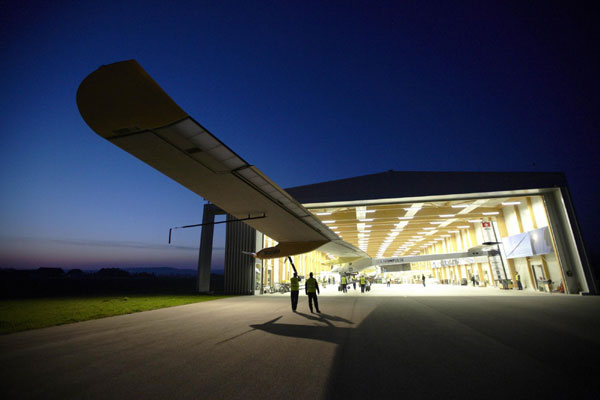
124,105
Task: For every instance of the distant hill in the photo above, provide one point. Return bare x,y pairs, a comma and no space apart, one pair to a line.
162,271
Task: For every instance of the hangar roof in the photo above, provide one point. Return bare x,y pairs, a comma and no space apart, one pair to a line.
395,184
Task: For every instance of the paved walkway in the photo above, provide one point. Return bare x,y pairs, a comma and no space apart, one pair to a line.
438,342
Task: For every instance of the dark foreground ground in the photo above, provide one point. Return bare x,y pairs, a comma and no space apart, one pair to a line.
434,343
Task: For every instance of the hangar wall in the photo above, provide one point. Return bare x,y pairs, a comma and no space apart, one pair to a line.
239,267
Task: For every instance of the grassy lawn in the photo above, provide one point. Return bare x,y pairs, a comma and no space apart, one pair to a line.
20,315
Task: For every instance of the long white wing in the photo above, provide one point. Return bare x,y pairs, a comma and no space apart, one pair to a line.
124,105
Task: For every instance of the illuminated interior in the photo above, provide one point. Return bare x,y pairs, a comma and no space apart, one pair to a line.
411,229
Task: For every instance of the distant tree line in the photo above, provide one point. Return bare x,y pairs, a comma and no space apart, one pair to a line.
41,282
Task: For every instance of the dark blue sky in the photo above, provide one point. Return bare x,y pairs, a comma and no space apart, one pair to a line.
306,91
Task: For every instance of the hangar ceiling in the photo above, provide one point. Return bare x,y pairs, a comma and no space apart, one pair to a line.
403,229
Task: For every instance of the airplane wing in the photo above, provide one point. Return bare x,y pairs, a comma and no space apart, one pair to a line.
125,106
400,263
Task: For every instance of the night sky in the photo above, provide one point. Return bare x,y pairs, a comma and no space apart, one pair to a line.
306,91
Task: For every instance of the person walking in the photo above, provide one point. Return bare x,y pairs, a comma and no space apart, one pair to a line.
389,281
294,290
312,288
362,283
354,283
423,279
518,278
344,284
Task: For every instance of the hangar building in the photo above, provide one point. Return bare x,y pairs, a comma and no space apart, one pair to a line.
397,214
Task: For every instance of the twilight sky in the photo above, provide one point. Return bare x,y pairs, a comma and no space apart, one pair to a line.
308,91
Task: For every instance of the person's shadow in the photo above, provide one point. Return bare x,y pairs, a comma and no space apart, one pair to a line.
328,333
326,318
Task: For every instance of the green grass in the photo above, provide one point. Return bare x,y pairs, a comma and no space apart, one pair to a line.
20,315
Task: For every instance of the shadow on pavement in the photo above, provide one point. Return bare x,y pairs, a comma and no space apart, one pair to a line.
326,318
396,353
329,333
434,349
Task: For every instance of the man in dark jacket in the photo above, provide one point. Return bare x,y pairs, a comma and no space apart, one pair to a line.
311,287
294,290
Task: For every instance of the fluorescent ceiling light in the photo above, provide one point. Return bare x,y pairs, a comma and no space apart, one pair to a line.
436,223
429,229
491,213
447,215
439,240
474,220
445,235
452,231
370,211
329,221
510,203
366,219
333,227
463,226
417,237
405,217
460,205
324,213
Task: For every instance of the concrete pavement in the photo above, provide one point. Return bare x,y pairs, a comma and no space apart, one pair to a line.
406,341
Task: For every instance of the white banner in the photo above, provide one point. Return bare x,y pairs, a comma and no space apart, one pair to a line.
517,245
528,244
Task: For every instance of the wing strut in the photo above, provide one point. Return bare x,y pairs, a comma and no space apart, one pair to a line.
214,223
293,266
